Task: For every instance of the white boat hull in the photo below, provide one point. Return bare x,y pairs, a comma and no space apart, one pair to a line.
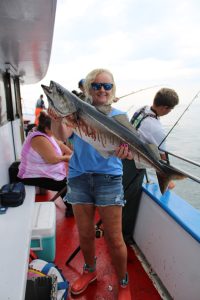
170,244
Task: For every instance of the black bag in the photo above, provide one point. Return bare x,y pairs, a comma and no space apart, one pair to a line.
12,194
13,171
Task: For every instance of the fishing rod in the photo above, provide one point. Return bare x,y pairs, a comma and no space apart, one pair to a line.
134,92
196,96
138,91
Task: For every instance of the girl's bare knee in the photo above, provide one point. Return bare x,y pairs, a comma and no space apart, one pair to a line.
115,242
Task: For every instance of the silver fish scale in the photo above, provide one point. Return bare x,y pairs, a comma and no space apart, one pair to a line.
61,103
97,135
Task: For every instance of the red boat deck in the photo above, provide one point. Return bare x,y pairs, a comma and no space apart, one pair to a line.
105,288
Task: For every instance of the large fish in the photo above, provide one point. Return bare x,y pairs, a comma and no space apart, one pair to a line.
106,133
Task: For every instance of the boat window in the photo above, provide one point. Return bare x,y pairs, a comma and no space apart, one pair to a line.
13,97
3,110
10,84
18,97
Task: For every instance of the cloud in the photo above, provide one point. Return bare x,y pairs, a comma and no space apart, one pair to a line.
142,42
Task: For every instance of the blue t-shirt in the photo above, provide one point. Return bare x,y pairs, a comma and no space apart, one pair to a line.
87,159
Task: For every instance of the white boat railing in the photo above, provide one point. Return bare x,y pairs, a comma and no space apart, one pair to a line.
182,158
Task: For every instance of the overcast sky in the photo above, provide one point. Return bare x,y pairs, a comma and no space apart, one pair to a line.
143,43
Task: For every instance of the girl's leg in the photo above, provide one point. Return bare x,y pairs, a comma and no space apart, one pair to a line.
46,183
112,221
84,215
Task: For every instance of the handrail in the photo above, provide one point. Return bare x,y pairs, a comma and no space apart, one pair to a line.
182,158
187,174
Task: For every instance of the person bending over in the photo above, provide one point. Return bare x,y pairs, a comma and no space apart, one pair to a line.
146,120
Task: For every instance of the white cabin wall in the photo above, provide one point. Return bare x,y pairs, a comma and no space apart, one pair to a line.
7,152
171,251
17,137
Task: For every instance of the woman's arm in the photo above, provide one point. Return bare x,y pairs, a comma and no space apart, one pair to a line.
64,148
46,150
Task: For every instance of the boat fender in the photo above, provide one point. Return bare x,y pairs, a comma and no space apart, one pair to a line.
51,269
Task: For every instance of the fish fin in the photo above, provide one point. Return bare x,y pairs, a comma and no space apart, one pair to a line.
123,120
105,154
153,148
141,164
163,182
105,109
172,174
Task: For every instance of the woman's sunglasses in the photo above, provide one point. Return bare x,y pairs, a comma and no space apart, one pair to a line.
97,86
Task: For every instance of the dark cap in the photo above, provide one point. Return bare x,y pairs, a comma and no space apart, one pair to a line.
81,82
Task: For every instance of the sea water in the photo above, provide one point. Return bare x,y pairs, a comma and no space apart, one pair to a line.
184,140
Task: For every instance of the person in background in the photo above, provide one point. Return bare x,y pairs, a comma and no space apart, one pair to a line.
43,160
40,105
81,94
96,182
146,120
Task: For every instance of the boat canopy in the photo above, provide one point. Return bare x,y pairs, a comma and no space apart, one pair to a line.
26,34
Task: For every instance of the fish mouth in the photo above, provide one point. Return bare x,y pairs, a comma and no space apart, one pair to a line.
47,89
49,92
58,101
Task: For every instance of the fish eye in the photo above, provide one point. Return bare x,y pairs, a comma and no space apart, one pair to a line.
60,91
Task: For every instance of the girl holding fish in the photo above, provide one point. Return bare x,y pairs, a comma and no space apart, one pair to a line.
96,182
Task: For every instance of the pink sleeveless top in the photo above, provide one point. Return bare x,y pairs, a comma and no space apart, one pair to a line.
34,166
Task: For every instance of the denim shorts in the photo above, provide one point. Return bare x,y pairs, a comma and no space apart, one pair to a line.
96,189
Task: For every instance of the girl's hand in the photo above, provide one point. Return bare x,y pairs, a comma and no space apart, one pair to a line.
66,157
123,152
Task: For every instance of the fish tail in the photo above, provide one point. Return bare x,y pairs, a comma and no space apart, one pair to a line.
169,173
164,180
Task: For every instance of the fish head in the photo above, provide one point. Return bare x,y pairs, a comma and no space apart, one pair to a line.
59,99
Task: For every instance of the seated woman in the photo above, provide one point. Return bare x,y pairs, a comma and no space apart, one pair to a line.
43,160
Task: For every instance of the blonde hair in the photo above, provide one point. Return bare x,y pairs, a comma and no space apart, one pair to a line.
91,77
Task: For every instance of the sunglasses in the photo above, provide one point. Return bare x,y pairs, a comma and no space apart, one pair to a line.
97,86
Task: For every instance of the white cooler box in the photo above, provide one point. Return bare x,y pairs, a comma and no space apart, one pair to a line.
43,239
